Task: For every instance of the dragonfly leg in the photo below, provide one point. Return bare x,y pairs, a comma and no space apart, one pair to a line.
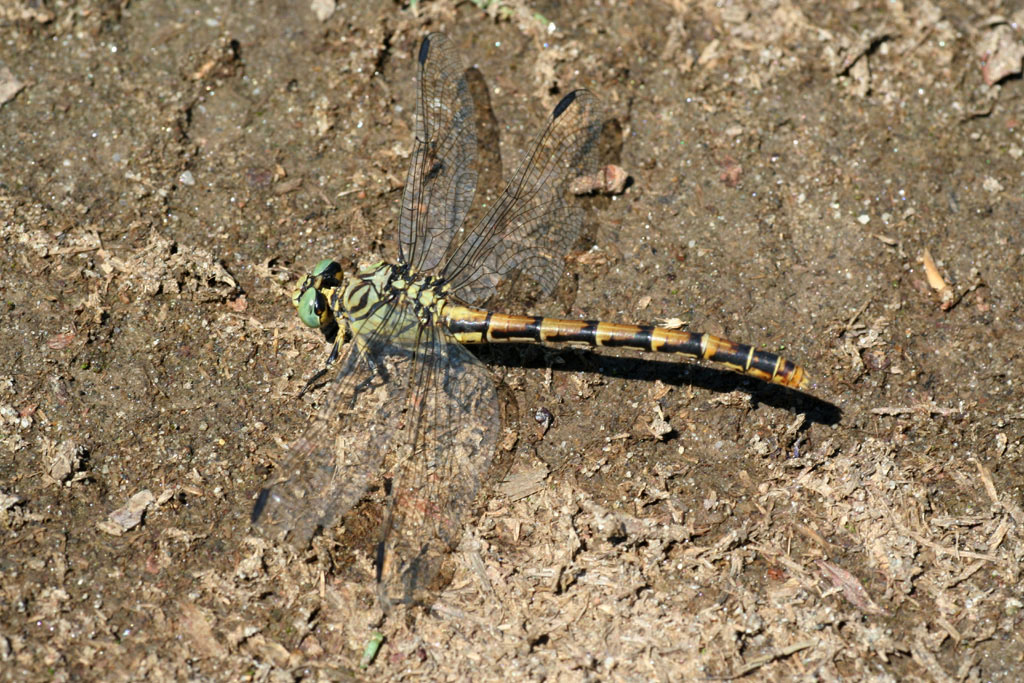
322,371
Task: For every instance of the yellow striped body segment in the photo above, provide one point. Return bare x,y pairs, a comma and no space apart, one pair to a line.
477,326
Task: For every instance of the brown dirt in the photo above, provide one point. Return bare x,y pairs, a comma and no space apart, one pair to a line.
168,170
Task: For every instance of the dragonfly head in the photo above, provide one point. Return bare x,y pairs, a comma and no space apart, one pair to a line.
312,298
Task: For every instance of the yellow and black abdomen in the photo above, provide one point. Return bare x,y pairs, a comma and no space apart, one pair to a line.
475,326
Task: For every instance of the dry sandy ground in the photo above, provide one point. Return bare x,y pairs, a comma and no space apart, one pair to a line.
169,170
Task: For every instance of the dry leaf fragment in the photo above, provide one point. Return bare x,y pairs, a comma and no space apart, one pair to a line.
8,501
523,483
672,323
931,270
195,624
610,179
936,281
64,463
9,85
659,426
1001,53
128,516
851,587
322,9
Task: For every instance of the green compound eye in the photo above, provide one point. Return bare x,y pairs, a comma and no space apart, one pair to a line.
325,265
311,305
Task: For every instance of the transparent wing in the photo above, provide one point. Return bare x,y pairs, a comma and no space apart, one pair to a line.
536,219
442,176
451,437
408,401
328,469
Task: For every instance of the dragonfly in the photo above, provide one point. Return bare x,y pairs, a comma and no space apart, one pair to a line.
408,404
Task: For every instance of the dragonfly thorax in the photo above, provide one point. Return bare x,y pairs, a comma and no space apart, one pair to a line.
391,292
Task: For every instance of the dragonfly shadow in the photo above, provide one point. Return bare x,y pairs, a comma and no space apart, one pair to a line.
674,373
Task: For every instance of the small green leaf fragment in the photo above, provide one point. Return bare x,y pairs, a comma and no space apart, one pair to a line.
371,649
